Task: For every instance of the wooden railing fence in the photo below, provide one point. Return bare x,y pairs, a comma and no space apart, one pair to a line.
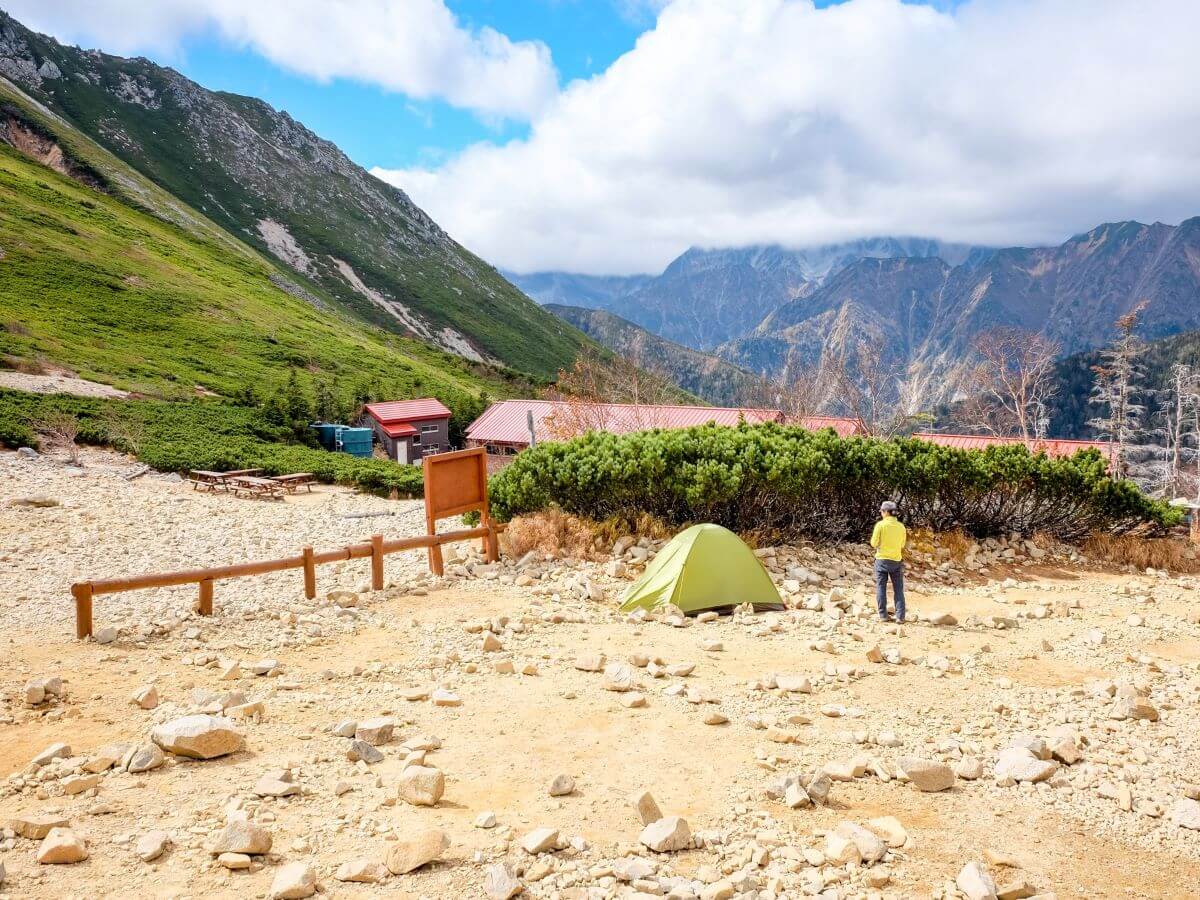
455,483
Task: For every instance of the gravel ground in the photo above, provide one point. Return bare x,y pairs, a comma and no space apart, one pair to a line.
1049,652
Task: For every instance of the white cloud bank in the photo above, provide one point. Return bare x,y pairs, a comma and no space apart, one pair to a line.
745,121
417,47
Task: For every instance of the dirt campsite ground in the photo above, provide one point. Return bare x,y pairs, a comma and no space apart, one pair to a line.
504,677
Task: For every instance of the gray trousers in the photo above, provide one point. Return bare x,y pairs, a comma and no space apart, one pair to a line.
885,569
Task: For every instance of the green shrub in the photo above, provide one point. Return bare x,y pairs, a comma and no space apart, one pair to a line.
198,434
790,483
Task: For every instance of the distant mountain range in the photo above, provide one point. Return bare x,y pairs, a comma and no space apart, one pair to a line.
702,374
343,237
774,312
705,298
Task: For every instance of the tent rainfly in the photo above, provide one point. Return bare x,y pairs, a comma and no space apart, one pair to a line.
704,567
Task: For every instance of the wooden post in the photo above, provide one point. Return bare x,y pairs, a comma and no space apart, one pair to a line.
491,545
435,551
377,562
206,596
310,573
83,609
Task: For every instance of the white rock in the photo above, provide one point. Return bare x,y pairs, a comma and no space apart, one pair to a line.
1019,764
146,698
975,882
199,737
540,840
501,883
412,852
646,806
152,845
562,785
421,785
293,881
926,774
668,834
361,871
1185,813
61,847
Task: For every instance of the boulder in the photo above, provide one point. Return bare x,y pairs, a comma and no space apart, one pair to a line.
240,835
152,845
375,731
871,847
668,834
562,785
1019,764
144,759
975,882
37,825
647,807
364,751
501,883
146,698
421,785
540,840
1185,813
61,846
926,774
293,881
276,783
199,737
411,853
362,871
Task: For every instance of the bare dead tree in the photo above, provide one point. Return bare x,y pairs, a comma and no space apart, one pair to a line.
583,393
59,430
1174,431
863,385
799,397
1118,383
1012,384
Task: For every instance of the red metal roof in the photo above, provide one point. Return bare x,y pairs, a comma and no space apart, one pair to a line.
1049,446
506,422
397,429
844,427
408,410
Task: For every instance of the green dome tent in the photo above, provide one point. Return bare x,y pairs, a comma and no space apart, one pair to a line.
704,567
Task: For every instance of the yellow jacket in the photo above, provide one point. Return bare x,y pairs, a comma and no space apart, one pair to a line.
889,538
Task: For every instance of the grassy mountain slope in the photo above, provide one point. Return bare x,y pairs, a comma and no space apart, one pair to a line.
271,182
706,376
93,285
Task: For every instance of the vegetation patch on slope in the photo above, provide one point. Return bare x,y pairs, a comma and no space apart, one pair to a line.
196,434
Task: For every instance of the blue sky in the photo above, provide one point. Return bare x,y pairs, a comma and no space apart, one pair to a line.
608,136
376,126
380,127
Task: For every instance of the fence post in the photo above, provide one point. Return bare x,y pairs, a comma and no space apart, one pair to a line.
310,573
377,562
491,544
83,609
206,597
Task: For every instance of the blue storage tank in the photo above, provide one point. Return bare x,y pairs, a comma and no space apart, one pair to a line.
356,441
327,434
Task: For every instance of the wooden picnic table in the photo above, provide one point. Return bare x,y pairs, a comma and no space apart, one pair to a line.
255,487
235,473
204,480
293,482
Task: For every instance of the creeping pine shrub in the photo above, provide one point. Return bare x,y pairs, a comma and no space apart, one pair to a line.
793,483
199,434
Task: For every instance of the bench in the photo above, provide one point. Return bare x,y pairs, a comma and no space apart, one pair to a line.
292,483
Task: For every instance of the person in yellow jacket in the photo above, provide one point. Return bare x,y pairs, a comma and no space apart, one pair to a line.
888,539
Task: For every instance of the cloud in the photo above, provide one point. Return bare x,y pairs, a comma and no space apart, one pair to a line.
413,46
747,121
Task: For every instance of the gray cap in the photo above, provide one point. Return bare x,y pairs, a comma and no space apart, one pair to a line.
887,506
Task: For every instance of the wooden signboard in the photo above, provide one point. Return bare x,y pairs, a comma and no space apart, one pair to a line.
456,483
